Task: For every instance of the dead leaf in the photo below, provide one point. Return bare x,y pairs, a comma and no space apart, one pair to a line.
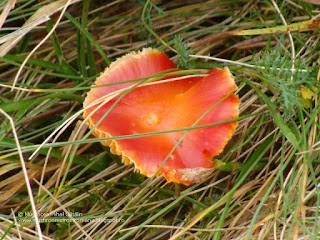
306,93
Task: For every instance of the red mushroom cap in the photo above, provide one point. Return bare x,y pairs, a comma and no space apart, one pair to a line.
161,107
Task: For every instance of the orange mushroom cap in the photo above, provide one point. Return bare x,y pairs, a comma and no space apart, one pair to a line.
162,107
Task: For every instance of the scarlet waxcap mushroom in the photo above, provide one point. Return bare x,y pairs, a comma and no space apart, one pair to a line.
162,107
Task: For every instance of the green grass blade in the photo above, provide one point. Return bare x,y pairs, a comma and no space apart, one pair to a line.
89,37
276,117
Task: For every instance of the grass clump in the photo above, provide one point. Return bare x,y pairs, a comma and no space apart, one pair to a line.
285,77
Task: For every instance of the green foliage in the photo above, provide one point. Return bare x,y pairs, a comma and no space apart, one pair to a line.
61,229
152,10
184,51
284,77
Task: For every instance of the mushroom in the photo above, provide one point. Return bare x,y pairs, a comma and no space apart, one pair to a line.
160,107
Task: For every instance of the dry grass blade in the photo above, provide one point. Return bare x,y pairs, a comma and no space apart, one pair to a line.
10,5
18,34
25,174
316,2
37,18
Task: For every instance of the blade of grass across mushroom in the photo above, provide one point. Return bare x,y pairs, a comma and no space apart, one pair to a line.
178,143
147,56
124,91
180,140
85,140
63,126
115,102
105,99
204,99
157,76
61,144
